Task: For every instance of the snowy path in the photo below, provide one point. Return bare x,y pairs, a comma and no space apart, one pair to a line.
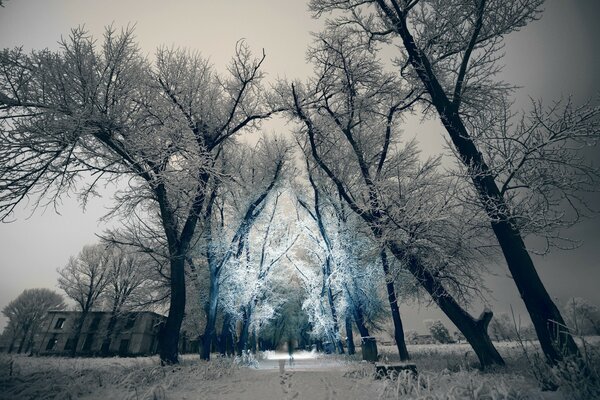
309,377
269,384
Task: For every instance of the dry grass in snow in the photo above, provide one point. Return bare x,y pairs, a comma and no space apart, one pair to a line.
445,372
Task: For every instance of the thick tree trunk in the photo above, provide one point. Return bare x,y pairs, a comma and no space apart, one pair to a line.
546,318
549,324
225,334
475,331
253,341
393,300
243,339
169,333
360,322
349,335
211,317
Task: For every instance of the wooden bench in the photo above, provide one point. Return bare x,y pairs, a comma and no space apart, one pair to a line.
393,370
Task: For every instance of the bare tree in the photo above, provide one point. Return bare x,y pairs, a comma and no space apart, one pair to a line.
583,317
26,314
315,211
84,279
349,114
109,113
253,175
130,285
452,51
250,296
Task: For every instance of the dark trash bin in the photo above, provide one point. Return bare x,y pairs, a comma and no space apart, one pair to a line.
369,348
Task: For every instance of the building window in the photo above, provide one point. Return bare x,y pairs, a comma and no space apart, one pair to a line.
60,323
69,344
89,339
130,321
51,343
95,322
105,346
124,347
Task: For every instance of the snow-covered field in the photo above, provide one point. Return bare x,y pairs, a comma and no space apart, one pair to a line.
445,372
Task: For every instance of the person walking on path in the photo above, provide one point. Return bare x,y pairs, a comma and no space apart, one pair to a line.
290,346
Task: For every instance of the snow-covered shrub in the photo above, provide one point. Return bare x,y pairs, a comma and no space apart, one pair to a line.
247,359
439,332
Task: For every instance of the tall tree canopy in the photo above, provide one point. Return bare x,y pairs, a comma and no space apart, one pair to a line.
105,111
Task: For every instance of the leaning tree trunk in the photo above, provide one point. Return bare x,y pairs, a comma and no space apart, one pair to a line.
547,320
368,344
393,300
474,330
550,327
211,317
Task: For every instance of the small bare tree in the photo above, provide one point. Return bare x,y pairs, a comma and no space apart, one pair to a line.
130,285
84,279
26,314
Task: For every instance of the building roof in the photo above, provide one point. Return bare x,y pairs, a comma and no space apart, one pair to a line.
106,312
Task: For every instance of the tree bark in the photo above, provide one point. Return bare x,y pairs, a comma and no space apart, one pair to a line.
554,339
225,334
253,341
211,316
169,333
393,300
243,339
336,328
349,335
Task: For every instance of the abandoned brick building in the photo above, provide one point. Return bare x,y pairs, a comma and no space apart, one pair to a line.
133,333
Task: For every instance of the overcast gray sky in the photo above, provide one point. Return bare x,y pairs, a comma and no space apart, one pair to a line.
558,55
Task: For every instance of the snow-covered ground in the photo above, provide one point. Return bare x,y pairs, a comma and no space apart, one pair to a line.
444,373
